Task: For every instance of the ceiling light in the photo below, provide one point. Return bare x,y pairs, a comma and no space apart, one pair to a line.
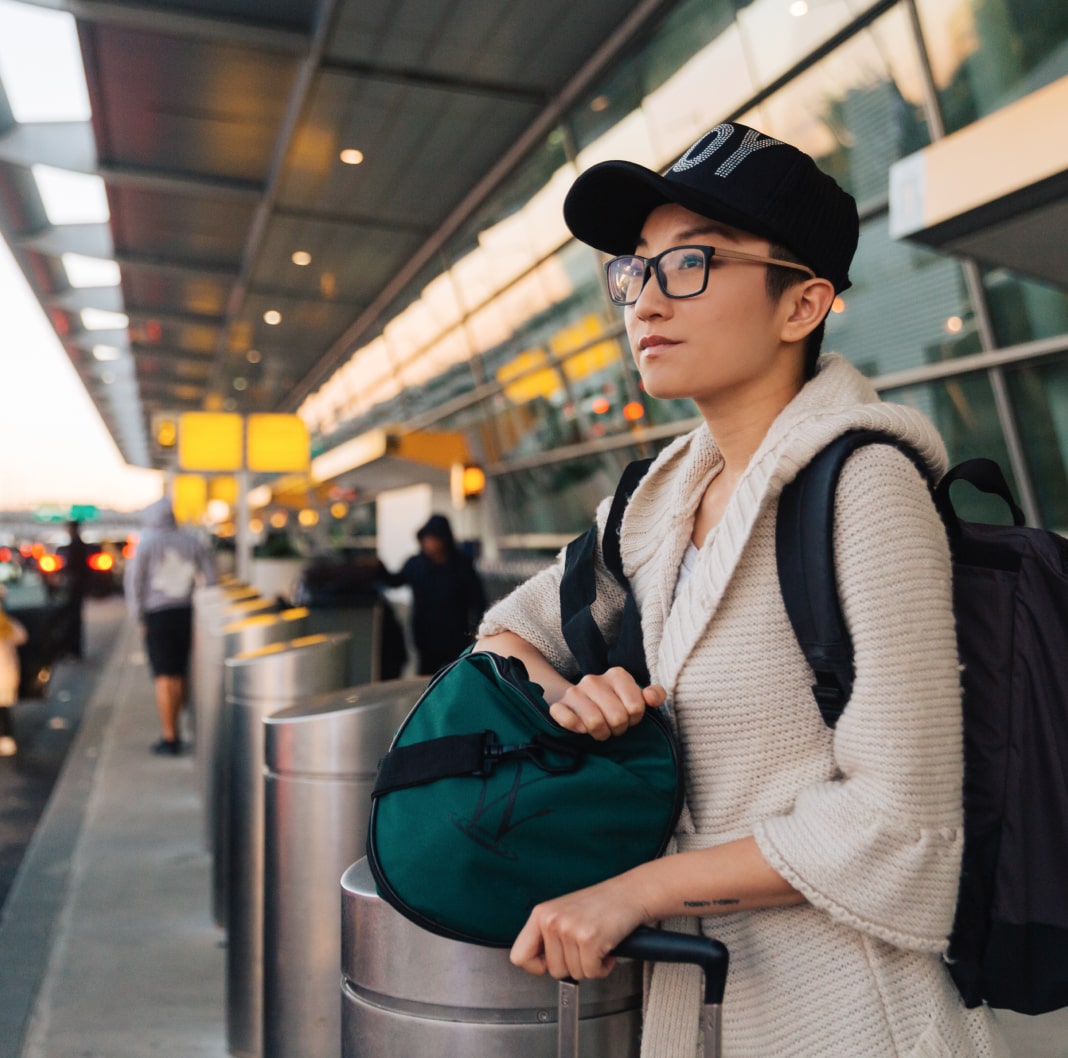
71,198
351,156
954,324
599,104
106,352
301,258
240,383
103,320
838,306
799,8
253,356
41,65
272,317
107,378
90,271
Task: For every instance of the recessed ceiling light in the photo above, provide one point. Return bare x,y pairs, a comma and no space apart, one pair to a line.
240,383
272,317
106,352
351,156
253,356
302,258
103,320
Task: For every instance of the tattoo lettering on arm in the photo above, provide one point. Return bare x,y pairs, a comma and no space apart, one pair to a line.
725,902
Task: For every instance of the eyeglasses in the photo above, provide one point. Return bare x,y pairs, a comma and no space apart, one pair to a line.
681,271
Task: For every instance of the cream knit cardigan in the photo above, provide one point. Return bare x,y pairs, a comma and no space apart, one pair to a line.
865,820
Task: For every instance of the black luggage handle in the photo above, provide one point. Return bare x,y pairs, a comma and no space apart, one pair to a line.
659,945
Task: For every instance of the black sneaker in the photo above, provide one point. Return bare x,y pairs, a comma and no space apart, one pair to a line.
168,747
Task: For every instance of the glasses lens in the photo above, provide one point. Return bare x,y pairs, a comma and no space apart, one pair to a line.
683,272
625,276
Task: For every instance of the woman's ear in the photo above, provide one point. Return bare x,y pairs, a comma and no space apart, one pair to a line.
806,305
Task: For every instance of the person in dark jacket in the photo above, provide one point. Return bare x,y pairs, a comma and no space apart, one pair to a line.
77,561
447,597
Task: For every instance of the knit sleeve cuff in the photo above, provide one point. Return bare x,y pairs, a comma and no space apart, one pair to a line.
897,886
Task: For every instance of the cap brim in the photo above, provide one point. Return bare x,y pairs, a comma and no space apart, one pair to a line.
608,205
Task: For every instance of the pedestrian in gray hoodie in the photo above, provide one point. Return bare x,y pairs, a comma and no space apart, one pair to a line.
159,583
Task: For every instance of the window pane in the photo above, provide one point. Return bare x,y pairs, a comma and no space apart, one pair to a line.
779,33
907,307
1021,309
857,111
1040,396
984,55
963,411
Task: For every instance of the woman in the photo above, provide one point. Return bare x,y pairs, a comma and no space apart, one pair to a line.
826,860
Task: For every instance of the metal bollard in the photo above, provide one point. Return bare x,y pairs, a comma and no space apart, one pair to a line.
259,683
209,692
405,991
239,637
321,761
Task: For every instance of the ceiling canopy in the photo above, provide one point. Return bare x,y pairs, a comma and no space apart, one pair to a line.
276,171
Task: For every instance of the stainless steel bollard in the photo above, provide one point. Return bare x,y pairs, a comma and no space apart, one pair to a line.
207,601
259,683
239,637
321,761
209,695
408,992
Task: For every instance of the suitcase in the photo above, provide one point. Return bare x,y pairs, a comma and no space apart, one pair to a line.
657,945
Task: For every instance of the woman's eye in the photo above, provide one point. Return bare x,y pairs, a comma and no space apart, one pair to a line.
690,260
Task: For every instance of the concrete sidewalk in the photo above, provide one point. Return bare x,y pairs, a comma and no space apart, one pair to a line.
107,946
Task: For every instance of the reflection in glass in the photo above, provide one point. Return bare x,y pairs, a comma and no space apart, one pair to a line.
963,411
856,112
779,33
984,55
1040,397
1023,309
907,307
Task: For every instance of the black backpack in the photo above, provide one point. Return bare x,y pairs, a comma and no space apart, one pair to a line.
1009,944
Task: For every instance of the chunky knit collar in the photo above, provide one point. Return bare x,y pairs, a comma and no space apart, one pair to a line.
659,518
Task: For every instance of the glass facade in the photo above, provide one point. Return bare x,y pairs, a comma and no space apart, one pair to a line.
509,337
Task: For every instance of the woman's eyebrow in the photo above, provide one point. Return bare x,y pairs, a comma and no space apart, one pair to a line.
698,231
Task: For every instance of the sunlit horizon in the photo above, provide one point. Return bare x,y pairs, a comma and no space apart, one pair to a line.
55,446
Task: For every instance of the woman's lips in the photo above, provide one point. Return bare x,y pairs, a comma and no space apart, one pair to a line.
653,342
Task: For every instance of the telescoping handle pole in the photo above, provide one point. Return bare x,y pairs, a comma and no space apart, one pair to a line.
657,945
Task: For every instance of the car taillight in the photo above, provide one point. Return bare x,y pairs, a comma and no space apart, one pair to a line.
101,561
50,563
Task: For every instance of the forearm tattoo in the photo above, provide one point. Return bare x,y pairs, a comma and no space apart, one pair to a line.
729,901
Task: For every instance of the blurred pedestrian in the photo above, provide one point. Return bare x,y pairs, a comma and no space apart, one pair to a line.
77,582
12,636
159,582
447,597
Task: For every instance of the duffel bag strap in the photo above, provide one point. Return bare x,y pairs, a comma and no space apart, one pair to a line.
465,756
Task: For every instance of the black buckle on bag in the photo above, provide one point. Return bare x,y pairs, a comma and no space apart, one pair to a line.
536,751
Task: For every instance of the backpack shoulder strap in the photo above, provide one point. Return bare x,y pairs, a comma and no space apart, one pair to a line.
804,550
578,590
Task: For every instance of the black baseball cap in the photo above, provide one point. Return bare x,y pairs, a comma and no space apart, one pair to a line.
733,174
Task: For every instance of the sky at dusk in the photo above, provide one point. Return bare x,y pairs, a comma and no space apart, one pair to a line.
54,447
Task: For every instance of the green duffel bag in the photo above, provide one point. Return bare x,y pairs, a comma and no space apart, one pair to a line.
485,806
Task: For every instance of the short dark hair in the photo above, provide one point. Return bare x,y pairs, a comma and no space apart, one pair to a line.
778,281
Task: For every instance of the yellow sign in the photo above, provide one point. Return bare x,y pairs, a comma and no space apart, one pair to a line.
210,441
224,489
190,498
277,443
